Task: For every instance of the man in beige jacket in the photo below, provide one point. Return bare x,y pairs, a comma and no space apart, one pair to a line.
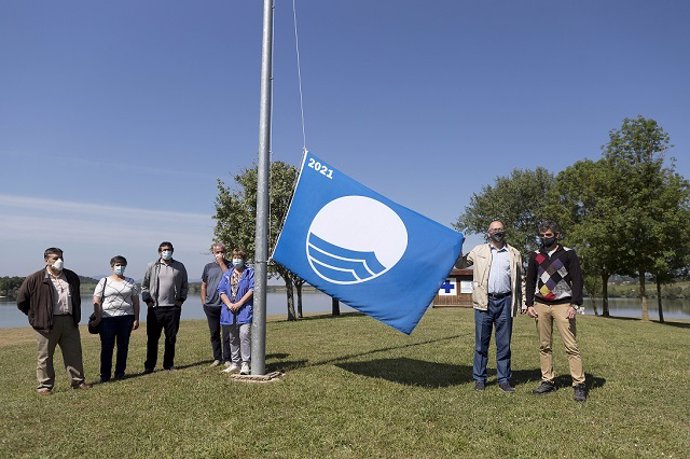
496,297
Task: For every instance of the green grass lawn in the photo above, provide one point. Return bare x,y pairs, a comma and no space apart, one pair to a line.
354,388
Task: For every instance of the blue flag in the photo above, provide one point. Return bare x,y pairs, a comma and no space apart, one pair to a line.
363,249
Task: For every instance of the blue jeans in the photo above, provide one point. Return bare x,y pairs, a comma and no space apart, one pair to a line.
112,329
498,314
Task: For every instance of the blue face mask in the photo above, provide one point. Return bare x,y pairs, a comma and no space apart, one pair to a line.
119,270
166,254
238,263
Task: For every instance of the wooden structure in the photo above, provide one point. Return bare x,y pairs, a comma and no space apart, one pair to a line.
456,291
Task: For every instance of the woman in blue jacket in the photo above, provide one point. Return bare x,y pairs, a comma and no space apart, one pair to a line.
236,290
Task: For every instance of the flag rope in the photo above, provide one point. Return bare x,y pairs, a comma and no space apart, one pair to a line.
299,74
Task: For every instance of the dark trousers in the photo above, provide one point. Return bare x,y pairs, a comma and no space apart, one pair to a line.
221,350
115,329
158,319
497,314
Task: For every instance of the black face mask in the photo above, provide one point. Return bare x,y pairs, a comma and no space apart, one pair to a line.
498,237
548,241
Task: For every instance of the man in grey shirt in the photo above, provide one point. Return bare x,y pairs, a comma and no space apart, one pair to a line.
210,298
163,289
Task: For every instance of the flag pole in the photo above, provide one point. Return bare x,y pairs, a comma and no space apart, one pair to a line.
258,340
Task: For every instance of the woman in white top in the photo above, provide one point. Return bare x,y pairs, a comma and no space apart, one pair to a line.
116,305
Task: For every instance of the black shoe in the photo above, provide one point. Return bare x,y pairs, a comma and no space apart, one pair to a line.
544,388
580,393
479,385
506,387
148,371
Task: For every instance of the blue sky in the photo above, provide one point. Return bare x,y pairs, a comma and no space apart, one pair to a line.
116,118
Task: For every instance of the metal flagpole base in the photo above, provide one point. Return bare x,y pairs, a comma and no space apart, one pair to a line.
268,377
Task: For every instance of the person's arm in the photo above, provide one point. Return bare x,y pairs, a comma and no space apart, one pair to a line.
203,292
97,300
222,290
146,286
135,303
250,291
23,297
530,285
576,284
184,287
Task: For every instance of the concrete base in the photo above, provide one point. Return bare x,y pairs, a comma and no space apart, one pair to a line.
268,377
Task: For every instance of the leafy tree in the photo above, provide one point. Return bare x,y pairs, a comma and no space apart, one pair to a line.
586,200
236,215
635,154
517,200
9,286
673,252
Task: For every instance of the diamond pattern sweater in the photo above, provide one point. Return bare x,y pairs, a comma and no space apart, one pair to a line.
553,280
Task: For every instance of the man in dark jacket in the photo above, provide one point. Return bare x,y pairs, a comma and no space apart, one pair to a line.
51,299
553,295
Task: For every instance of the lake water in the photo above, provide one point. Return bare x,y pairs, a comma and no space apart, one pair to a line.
318,302
276,304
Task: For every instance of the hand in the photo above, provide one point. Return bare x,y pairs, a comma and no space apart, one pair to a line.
572,312
135,325
523,310
178,303
532,312
149,303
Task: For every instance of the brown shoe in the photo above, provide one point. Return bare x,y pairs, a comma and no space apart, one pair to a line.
82,385
44,391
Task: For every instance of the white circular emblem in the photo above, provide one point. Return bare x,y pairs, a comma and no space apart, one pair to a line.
354,239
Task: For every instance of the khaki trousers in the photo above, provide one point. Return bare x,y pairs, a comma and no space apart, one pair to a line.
65,334
546,316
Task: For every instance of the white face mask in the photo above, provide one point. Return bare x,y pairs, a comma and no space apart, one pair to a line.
237,262
166,254
59,263
119,270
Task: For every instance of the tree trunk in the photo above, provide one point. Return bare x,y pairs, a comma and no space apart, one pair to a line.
605,295
298,287
658,299
335,306
290,298
643,298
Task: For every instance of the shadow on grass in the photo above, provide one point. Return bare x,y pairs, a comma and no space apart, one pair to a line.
534,376
412,372
674,324
328,316
297,364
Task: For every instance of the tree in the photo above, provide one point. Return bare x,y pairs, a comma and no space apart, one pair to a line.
236,215
518,201
673,253
586,200
635,154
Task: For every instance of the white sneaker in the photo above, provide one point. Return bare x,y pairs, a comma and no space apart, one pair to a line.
245,369
215,363
233,368
226,364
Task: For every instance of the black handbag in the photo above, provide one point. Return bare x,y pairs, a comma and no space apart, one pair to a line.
96,329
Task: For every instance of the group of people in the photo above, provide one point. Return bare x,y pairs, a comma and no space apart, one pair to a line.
553,294
51,299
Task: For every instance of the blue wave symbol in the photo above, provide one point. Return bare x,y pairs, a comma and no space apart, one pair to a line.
339,264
